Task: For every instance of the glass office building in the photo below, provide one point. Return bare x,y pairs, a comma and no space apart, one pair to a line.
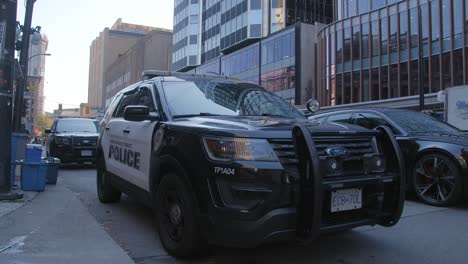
379,49
269,42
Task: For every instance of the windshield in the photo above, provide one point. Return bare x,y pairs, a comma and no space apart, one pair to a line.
77,125
223,97
416,122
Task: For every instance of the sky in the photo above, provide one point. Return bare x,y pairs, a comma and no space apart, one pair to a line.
71,26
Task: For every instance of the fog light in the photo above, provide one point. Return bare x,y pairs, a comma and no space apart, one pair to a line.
331,166
376,163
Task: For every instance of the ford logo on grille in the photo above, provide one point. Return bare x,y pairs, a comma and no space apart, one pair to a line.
337,152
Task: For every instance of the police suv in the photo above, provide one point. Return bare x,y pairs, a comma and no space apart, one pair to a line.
225,162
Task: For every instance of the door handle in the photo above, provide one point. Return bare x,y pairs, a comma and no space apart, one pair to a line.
126,131
107,128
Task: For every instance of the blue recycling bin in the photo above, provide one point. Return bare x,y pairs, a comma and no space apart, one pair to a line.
18,149
33,153
34,176
52,169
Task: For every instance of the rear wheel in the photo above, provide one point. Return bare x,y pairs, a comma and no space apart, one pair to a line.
106,192
437,180
176,218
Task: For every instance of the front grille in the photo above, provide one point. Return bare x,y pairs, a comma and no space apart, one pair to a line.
353,164
356,146
284,150
84,141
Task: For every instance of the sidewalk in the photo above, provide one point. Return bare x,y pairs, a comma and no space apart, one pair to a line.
54,227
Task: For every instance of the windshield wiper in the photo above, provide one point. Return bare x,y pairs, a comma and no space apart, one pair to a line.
194,115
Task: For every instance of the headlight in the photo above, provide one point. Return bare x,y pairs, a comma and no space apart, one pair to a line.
62,141
230,149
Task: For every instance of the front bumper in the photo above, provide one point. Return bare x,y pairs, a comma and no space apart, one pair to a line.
69,154
280,225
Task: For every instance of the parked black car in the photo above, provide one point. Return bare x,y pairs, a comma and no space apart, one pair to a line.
73,140
436,153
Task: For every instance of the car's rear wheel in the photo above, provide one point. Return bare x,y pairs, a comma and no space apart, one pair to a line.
437,180
176,218
106,192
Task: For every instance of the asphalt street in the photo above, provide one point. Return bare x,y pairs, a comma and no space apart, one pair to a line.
425,234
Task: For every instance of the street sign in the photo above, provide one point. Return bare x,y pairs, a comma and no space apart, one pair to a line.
2,37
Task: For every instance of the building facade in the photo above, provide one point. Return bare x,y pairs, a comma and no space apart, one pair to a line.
152,52
389,49
108,46
269,42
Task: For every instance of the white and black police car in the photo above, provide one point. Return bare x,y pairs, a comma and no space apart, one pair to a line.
225,162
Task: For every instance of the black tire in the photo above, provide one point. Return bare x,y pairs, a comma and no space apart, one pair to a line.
176,216
437,180
106,192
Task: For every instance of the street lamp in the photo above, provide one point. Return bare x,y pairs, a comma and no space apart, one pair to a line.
41,54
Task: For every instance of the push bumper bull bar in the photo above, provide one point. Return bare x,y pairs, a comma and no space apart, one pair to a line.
311,192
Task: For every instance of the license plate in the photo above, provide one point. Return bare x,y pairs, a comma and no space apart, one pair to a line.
347,199
86,153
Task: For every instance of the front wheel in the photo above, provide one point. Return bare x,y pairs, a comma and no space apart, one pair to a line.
106,192
437,180
176,218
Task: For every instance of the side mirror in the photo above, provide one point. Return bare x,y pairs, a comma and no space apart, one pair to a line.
47,131
138,113
313,105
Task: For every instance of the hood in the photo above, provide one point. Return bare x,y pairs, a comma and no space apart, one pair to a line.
254,125
451,138
77,134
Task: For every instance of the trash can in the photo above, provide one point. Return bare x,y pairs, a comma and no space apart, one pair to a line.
33,176
33,153
18,147
52,169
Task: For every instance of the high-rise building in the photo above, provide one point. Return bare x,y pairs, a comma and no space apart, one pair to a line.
384,49
270,42
108,46
35,80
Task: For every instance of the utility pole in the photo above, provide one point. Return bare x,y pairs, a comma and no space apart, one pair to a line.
7,57
19,95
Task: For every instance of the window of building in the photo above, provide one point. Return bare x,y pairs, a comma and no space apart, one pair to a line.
446,24
457,23
384,82
365,48
378,4
414,32
435,74
393,42
435,34
347,88
375,83
337,94
458,67
347,45
466,24
414,77
446,70
364,6
393,88
425,29
375,39
404,36
404,79
339,47
384,40
356,46
356,86
365,86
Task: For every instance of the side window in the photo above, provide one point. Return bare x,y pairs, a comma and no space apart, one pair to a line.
372,121
128,98
52,129
112,106
145,98
342,118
